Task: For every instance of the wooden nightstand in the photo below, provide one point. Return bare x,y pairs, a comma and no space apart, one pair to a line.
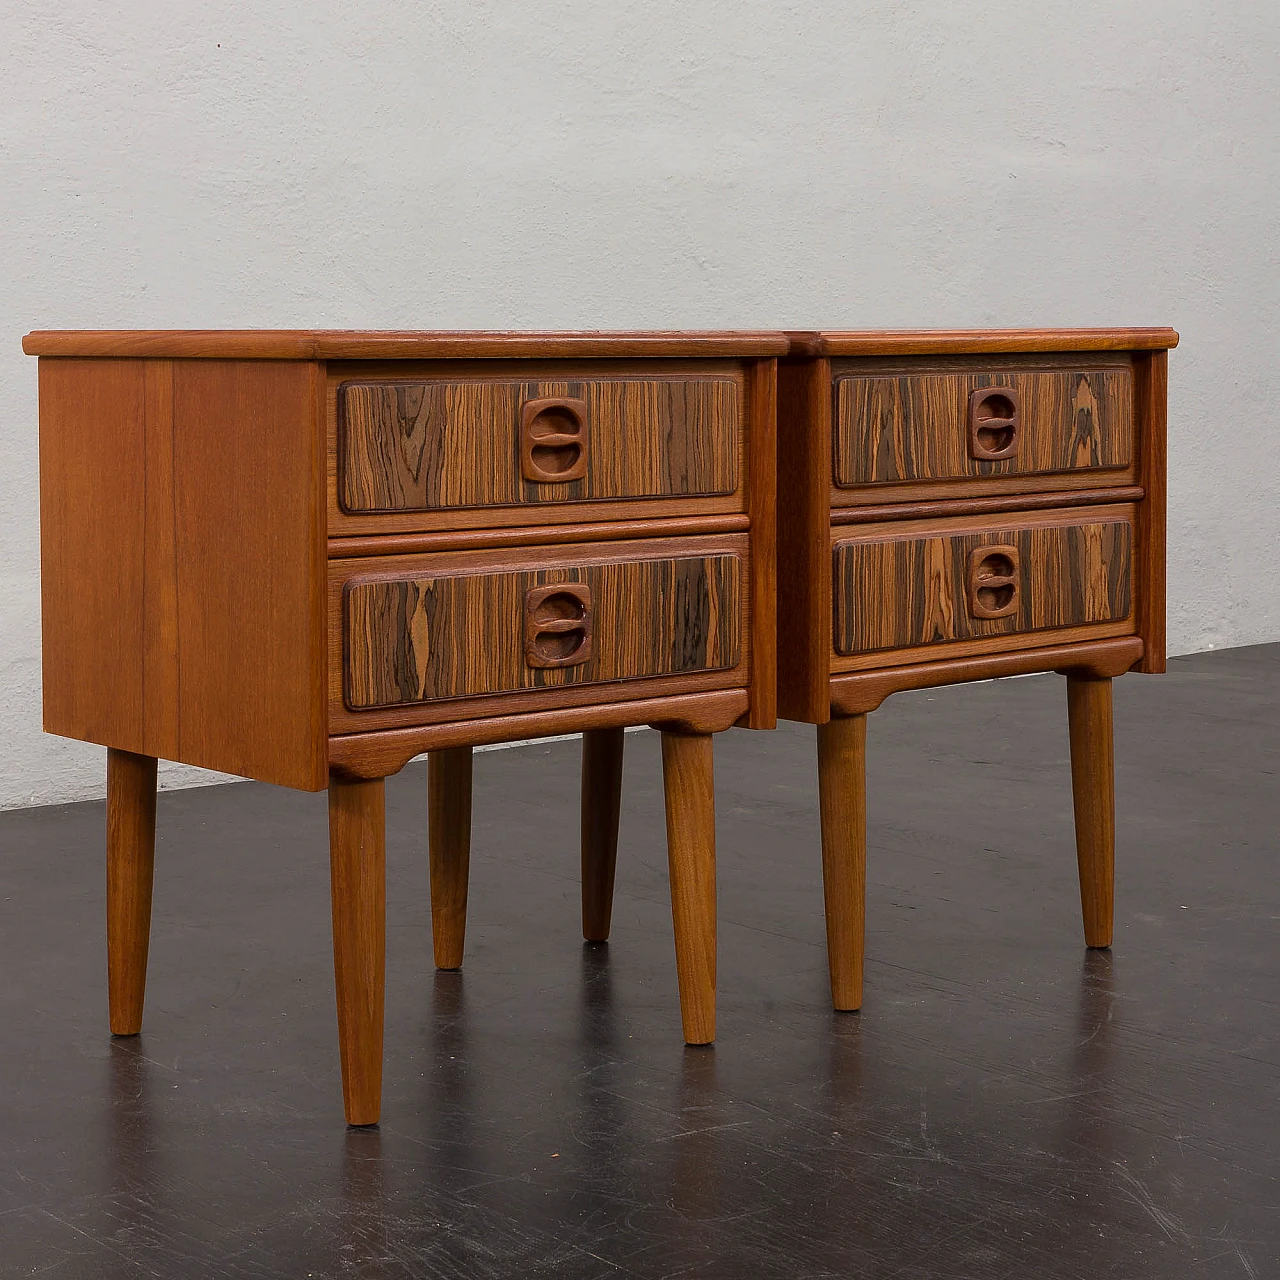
305,557
960,506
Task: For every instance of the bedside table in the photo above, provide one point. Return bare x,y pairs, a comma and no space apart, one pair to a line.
961,506
305,557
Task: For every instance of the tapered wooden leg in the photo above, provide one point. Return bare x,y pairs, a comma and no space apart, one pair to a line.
601,805
357,861
689,778
449,840
131,848
842,801
1093,790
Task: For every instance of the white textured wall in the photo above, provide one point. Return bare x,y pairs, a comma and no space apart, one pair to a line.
679,163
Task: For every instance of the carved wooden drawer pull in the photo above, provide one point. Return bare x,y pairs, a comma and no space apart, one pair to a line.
553,439
557,625
995,422
993,581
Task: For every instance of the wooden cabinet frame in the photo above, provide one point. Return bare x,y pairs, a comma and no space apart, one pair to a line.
194,552
835,692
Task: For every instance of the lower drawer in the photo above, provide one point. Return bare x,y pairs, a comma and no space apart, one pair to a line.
457,635
978,584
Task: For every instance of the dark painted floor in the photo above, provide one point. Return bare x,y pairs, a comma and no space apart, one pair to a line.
1006,1105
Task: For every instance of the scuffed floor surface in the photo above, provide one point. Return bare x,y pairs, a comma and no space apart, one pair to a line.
1006,1104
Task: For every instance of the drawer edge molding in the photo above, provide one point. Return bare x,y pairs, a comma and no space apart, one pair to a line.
947,507
387,751
360,546
862,692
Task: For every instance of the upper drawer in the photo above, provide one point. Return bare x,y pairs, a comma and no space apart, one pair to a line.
533,627
469,447
981,580
970,421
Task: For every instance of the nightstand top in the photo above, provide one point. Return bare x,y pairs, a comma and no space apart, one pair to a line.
906,342
361,344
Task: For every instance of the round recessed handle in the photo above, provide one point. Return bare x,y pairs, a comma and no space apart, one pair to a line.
557,625
992,581
995,423
553,439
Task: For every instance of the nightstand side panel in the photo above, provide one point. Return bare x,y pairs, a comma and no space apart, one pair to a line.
803,539
93,468
1151,410
183,560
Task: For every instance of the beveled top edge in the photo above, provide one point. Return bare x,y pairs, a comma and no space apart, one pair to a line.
358,344
894,342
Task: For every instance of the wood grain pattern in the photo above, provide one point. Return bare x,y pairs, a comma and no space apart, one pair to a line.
688,775
1093,796
543,514
762,409
804,551
842,801
602,752
891,429
889,342
449,848
435,635
424,445
131,848
864,691
547,696
1152,378
182,552
358,873
381,754
908,591
366,344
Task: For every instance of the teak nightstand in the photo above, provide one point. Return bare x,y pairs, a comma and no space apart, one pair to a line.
305,557
960,506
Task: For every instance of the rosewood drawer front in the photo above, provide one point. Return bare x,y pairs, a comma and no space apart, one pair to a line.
464,444
444,636
980,423
978,581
